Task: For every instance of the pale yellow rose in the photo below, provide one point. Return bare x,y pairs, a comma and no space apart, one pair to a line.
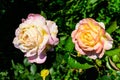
35,36
91,39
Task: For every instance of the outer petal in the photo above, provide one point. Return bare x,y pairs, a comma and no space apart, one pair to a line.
102,25
98,48
108,42
77,25
79,49
38,58
16,42
53,40
17,32
36,18
101,54
31,52
93,56
73,36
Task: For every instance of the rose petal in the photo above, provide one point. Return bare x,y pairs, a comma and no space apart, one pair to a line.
101,54
53,31
79,49
102,25
77,25
92,57
91,54
108,42
31,52
98,47
37,59
73,36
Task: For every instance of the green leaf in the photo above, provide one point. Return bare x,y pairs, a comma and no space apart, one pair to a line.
13,64
112,27
105,78
26,63
99,62
31,77
62,40
118,65
69,45
33,69
115,58
118,31
93,1
43,14
75,64
113,52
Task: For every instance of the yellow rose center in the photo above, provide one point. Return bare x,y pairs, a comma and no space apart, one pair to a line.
87,39
31,36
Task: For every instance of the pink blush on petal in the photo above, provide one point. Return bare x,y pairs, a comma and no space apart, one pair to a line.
102,53
98,47
79,50
108,42
37,59
53,41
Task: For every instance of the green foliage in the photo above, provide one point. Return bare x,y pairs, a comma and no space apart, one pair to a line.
33,69
69,46
23,72
115,58
113,52
112,27
4,75
110,75
26,63
76,65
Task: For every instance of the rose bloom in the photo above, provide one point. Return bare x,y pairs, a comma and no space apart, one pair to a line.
91,39
35,36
